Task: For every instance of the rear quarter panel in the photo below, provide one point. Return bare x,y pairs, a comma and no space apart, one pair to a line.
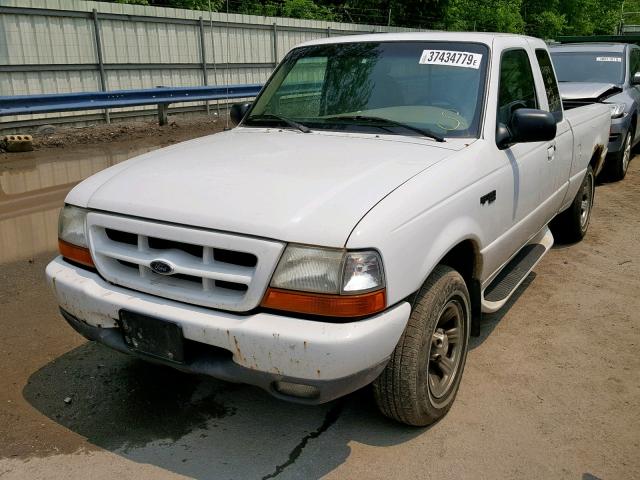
590,125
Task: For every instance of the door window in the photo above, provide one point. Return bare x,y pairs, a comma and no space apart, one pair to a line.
550,84
634,62
517,87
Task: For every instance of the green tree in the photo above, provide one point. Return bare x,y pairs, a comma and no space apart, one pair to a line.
630,15
307,9
541,18
133,2
547,24
591,17
484,15
256,7
216,5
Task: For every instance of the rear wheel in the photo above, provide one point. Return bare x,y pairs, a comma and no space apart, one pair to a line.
572,224
421,380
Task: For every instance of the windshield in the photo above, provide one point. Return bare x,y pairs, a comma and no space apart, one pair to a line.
391,87
600,67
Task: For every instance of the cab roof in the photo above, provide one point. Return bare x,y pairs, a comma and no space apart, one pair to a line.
486,38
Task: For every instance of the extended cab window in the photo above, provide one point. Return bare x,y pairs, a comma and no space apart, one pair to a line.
517,87
378,87
550,84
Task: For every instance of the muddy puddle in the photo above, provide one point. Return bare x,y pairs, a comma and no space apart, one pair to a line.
33,187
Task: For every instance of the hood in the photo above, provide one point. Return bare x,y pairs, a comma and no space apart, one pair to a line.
285,185
587,90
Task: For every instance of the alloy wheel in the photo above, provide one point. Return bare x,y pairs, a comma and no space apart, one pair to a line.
586,202
446,349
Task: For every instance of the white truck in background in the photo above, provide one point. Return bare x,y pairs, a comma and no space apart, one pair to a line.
380,194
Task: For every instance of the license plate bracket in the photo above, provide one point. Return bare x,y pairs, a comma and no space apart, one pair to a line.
152,336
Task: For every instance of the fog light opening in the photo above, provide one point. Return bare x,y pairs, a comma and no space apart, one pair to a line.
299,390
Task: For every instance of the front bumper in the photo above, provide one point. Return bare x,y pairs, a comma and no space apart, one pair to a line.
617,132
259,349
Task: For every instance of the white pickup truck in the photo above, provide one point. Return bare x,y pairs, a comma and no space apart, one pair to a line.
380,194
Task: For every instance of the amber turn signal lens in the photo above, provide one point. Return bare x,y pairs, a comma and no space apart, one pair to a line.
76,254
323,304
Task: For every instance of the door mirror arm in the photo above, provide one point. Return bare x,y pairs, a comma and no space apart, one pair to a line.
238,111
503,137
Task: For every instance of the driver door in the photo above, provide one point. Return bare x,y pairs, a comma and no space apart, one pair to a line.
527,163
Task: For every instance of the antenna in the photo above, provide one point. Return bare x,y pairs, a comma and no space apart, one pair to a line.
213,53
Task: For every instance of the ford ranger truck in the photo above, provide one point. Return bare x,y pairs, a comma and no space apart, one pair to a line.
380,193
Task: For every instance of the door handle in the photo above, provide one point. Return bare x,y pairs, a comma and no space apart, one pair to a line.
551,153
488,198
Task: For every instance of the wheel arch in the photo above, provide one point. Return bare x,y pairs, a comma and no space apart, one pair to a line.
465,258
597,158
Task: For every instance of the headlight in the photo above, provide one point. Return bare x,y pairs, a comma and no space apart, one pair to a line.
327,282
72,235
617,109
333,271
71,225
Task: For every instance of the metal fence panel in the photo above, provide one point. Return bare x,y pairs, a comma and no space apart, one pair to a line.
51,46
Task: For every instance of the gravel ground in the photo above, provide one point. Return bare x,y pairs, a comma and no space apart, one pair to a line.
551,388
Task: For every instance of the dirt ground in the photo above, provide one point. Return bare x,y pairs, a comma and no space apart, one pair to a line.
180,128
551,388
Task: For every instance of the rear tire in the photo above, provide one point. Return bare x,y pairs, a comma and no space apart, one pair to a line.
421,380
572,224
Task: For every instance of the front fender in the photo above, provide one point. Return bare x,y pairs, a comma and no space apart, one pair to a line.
456,232
411,252
419,223
412,242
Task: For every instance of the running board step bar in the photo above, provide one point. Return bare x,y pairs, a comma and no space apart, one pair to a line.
514,273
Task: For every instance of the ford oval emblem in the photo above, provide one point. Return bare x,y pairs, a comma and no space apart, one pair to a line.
161,267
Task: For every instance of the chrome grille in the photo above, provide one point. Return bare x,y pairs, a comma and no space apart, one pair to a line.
211,269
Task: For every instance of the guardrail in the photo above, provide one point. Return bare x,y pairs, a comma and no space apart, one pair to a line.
161,96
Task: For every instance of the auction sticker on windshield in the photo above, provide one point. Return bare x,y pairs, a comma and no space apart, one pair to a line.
452,58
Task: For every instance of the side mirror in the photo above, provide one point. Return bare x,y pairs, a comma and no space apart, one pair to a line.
527,125
238,111
635,79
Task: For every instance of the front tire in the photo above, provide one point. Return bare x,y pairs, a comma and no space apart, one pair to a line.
619,161
571,225
421,380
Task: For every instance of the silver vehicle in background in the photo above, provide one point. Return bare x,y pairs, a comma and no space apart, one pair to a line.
604,73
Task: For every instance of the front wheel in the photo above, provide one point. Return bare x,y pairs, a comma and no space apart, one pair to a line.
421,380
619,161
572,224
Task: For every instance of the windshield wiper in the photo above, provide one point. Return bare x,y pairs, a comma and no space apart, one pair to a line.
288,121
388,121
